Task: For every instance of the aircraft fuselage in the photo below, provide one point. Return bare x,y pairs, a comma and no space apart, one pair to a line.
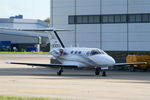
83,57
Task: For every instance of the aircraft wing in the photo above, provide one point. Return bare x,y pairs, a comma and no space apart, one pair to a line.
45,65
136,63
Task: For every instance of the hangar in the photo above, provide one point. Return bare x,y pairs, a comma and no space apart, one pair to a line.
112,25
22,40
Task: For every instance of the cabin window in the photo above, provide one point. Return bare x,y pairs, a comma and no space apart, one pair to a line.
61,51
76,52
79,52
71,52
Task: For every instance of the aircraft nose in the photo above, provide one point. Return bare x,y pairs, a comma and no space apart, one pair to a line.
104,60
110,60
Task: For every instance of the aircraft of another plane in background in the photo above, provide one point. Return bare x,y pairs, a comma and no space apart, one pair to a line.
75,57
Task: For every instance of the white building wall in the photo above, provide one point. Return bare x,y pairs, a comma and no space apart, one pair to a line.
61,10
139,37
114,6
112,37
139,6
88,35
86,7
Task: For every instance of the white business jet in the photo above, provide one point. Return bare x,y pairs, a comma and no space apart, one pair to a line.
75,57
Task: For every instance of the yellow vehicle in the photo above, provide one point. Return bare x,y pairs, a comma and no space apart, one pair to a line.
138,58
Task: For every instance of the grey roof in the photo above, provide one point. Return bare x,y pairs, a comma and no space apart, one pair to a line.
23,21
23,33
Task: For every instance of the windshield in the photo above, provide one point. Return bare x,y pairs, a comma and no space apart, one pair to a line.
95,52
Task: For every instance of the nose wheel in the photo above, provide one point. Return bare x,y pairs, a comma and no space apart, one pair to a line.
60,71
97,71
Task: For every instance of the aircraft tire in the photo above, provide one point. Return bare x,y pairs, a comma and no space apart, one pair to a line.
104,73
59,73
97,71
131,68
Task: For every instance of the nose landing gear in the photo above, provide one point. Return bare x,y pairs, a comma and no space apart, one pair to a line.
104,73
60,71
97,71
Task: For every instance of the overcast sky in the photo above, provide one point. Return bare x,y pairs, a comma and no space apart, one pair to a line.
30,9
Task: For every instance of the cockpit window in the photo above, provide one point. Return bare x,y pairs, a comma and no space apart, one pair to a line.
88,53
95,52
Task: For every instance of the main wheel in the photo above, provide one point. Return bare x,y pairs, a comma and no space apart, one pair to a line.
103,73
59,73
131,68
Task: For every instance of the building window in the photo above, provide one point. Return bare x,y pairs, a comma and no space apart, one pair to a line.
117,18
71,20
123,19
104,19
138,18
135,18
110,18
95,19
131,18
85,19
79,20
91,19
145,18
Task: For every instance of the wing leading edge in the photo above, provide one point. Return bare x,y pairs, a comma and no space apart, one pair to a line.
45,65
136,63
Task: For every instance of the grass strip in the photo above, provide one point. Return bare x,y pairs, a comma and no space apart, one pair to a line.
26,98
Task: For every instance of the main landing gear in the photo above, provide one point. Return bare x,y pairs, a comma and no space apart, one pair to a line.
104,73
97,72
60,71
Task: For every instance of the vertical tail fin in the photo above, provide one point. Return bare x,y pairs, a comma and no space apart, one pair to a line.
59,39
55,41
